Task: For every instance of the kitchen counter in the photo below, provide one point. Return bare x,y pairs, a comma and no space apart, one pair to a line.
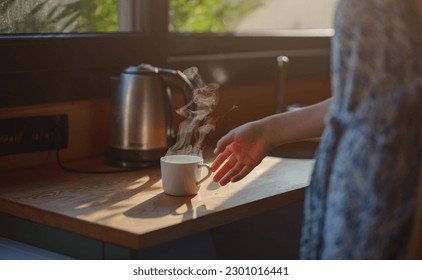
130,210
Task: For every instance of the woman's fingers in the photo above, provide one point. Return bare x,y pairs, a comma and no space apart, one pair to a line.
225,169
242,173
221,158
229,168
234,171
223,143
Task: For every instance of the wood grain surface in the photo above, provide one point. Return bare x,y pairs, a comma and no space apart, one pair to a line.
130,209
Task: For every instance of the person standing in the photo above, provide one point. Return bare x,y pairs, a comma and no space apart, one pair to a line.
361,201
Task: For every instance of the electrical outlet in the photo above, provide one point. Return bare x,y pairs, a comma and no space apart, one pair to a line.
33,134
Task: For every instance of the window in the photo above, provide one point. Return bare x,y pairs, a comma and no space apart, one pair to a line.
69,49
185,16
233,40
249,16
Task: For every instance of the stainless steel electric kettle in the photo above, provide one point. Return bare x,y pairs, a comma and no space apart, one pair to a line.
141,115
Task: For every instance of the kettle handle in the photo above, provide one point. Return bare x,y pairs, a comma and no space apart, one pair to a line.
176,78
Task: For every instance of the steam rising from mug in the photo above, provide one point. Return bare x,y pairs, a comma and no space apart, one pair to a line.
198,123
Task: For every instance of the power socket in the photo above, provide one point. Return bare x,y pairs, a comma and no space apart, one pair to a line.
33,134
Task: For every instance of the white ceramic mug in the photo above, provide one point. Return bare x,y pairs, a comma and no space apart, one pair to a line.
181,174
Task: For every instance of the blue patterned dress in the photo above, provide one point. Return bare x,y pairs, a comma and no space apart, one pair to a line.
361,200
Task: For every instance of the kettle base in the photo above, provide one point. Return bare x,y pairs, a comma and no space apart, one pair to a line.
133,159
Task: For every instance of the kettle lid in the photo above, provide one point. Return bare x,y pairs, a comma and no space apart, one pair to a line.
142,69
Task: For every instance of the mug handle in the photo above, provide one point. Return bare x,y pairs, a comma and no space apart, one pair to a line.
208,174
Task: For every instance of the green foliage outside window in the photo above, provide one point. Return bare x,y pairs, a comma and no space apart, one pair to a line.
43,16
208,15
56,16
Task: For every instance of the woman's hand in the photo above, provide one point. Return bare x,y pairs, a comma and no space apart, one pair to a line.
238,152
244,147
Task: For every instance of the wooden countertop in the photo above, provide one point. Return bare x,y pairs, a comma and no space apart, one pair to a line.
130,209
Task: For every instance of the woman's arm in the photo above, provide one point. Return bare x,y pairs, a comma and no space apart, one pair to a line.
243,148
304,123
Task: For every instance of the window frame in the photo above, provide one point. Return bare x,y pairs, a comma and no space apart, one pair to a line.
49,68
